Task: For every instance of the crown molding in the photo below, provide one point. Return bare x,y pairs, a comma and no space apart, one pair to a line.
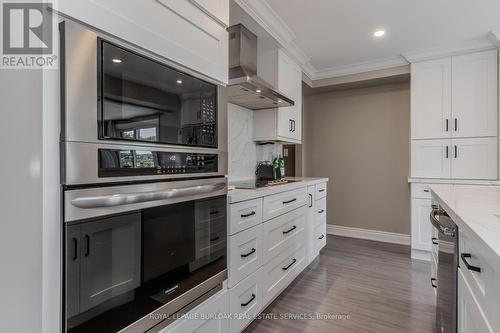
362,67
476,45
494,38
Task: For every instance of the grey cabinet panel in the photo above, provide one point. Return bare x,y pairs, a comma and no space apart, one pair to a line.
110,258
73,270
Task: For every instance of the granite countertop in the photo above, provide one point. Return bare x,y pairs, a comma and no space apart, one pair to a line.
237,195
476,211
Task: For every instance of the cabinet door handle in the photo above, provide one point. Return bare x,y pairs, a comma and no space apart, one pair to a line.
214,239
469,266
456,151
249,301
311,202
87,245
289,201
434,241
447,124
290,230
447,152
75,248
290,127
456,124
322,190
290,265
321,211
321,237
249,253
432,283
293,123
214,212
248,215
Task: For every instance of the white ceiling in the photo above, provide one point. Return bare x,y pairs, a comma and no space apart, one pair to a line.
338,34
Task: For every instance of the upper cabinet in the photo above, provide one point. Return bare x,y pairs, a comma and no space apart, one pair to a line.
455,97
282,124
189,32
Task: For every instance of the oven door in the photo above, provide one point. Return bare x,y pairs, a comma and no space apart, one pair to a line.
142,251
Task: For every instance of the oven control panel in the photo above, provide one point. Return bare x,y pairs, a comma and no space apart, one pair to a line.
122,163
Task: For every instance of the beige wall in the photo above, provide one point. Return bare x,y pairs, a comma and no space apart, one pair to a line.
360,139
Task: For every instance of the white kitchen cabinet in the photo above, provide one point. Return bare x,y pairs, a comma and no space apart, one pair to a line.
474,94
474,158
245,301
421,228
431,99
471,318
188,32
431,158
282,124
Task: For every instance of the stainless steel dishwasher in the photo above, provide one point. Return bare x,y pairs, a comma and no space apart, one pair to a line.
446,279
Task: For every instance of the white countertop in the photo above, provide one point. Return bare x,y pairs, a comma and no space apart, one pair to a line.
473,209
452,181
237,195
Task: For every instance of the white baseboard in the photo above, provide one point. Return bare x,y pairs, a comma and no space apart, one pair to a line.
375,235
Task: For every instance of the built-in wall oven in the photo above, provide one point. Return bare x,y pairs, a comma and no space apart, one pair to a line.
143,178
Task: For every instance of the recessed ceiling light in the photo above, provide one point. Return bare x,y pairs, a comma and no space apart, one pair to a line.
116,60
258,91
179,81
379,33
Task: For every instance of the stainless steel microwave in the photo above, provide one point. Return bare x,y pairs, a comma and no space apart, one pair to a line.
117,96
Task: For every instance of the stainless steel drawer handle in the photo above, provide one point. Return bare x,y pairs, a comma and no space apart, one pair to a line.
249,253
290,230
138,197
248,215
289,201
469,266
321,237
249,301
290,265
434,241
433,284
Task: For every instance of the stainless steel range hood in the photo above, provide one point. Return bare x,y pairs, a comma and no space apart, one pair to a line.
245,87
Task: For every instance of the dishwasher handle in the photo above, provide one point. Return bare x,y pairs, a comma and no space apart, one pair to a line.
445,230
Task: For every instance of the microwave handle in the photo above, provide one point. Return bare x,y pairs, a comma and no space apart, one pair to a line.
139,197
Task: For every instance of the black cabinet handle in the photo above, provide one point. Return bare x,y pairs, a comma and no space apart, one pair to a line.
321,237
291,126
434,241
321,211
75,248
447,152
215,239
87,245
290,230
456,151
311,198
249,253
249,301
248,215
426,191
290,265
322,190
456,124
432,283
447,125
289,201
469,266
214,212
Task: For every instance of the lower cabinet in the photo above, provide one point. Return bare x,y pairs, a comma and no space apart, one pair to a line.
421,227
245,301
244,254
208,317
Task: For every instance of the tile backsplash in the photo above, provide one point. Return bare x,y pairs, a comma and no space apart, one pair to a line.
244,153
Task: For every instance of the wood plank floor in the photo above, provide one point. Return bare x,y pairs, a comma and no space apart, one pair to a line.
375,284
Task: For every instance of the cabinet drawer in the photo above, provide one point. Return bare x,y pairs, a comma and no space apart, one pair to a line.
484,284
245,301
420,191
245,254
280,203
280,271
320,191
319,237
283,231
243,215
320,212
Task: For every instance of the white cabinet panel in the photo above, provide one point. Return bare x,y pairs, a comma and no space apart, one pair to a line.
430,158
209,317
245,254
431,99
421,227
474,158
280,203
245,301
474,101
174,29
